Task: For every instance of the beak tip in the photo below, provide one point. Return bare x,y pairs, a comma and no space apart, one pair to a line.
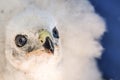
52,50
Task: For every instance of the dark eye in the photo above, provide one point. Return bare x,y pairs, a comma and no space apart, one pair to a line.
20,40
55,33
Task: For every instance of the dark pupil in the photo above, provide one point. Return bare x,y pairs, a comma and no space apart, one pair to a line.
55,33
20,40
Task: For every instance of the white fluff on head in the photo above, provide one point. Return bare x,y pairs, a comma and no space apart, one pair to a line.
80,29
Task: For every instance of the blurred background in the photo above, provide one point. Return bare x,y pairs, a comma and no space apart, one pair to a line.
109,64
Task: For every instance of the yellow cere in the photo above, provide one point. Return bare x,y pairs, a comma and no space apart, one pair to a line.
43,34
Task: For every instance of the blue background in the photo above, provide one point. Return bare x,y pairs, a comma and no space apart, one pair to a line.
110,62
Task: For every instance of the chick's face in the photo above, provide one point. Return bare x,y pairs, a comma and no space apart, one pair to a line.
32,39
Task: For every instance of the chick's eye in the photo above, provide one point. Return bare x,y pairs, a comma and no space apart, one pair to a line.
55,33
20,40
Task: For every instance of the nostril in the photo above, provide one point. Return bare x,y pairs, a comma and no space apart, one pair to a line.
41,41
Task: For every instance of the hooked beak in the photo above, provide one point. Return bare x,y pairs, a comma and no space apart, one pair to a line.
48,45
46,41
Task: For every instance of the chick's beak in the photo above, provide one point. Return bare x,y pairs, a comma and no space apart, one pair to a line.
48,45
46,41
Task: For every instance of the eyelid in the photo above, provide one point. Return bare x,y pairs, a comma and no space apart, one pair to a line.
19,36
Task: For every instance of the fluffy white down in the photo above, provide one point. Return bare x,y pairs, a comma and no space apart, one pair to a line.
80,29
